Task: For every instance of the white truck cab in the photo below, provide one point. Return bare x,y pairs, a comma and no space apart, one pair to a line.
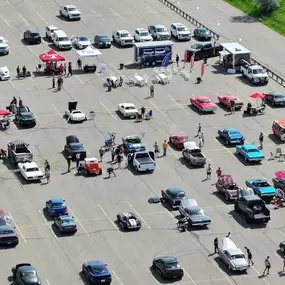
49,31
70,12
180,32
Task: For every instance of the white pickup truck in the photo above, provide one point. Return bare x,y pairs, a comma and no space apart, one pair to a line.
70,12
255,73
123,38
142,161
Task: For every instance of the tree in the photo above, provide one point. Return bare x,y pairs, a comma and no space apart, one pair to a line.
268,5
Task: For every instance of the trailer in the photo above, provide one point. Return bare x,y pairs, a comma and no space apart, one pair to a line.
151,53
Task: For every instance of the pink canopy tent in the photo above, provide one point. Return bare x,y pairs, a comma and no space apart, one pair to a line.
51,56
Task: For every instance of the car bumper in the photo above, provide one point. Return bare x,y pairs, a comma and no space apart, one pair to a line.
208,110
9,242
74,119
3,51
104,45
82,155
34,178
35,41
101,281
63,230
27,123
255,159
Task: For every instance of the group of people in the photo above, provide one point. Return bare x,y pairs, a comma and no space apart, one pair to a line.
114,83
24,71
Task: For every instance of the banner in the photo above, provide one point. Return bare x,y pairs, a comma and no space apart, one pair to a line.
202,69
192,61
185,55
166,60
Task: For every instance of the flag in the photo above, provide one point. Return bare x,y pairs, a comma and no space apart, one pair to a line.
185,55
202,69
192,61
166,60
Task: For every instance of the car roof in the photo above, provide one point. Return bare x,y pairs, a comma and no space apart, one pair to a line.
250,146
2,38
168,259
65,217
277,93
30,164
96,263
159,26
52,27
70,6
33,31
252,197
233,130
180,135
128,104
26,268
200,29
141,29
233,251
57,200
133,136
123,31
257,180
178,24
174,190
203,98
72,138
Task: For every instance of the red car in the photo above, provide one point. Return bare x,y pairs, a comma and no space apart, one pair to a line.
178,140
225,100
203,103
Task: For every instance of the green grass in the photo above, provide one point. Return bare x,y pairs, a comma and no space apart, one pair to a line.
275,20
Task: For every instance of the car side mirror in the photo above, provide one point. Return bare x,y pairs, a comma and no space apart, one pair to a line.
13,270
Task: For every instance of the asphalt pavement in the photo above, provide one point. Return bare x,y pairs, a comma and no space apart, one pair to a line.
95,202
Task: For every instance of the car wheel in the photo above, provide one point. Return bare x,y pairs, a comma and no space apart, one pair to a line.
229,268
282,249
136,168
227,197
197,57
68,17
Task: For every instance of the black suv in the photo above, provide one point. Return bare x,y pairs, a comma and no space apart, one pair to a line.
24,117
32,37
203,50
251,206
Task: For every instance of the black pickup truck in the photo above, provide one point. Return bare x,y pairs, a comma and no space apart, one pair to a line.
252,207
203,50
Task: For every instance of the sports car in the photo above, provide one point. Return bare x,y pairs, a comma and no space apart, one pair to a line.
65,224
227,187
261,188
80,42
56,207
97,272
279,180
73,114
30,171
128,110
25,274
203,104
173,196
178,140
129,221
250,152
133,144
231,136
225,100
193,213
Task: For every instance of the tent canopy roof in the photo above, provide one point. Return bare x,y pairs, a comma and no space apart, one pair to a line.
89,52
51,55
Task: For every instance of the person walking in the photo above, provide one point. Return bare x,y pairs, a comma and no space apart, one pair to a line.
202,137
219,172
47,165
199,129
65,69
216,244
143,112
283,263
68,159
101,153
151,90
267,266
69,69
79,63
177,60
24,69
165,146
201,143
18,72
47,174
249,256
58,84
53,81
77,156
209,172
113,154
119,159
110,171
156,149
261,137
233,106
20,102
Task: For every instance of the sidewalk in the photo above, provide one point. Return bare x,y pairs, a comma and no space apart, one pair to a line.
266,45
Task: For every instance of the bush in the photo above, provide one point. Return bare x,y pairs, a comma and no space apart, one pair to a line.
268,5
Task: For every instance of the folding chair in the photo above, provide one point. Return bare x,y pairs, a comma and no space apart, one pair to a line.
272,156
279,153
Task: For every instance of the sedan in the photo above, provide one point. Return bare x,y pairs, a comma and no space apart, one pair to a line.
25,274
168,267
231,136
25,117
56,207
261,188
80,42
65,224
250,152
4,48
279,180
178,140
275,98
128,110
32,37
173,196
97,272
203,104
202,34
102,41
226,100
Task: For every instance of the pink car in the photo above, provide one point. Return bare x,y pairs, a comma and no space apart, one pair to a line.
178,140
203,104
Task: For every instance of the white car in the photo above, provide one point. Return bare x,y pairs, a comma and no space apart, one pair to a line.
180,32
123,38
128,110
70,12
75,115
4,48
30,171
49,31
80,42
4,73
142,35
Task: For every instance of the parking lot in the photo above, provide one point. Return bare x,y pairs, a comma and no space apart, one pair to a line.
95,202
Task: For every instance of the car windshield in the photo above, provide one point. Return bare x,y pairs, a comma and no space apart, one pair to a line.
98,270
35,34
76,146
28,274
76,112
196,211
144,34
72,9
58,205
178,195
142,155
134,140
6,232
204,31
279,96
253,204
258,71
204,100
3,222
181,29
26,115
63,39
2,41
31,169
83,39
125,35
261,184
197,46
161,30
103,38
67,221
236,256
172,265
252,150
130,108
184,138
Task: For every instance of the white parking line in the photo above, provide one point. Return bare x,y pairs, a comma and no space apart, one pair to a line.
6,22
35,83
181,106
120,281
259,274
78,221
108,111
152,11
222,272
23,19
21,234
31,51
134,12
44,219
210,280
116,14
79,79
107,216
188,275
225,148
12,84
42,18
37,118
173,152
139,215
97,15
157,109
47,281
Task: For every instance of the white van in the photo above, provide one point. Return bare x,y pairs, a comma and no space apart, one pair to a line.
61,40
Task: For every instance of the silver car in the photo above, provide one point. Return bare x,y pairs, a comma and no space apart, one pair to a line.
232,256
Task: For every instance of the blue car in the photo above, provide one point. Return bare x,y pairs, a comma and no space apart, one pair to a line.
97,272
261,188
133,144
231,136
250,152
56,207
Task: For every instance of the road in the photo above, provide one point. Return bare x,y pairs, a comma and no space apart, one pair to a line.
95,202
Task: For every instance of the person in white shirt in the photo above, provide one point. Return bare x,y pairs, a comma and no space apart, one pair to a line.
209,172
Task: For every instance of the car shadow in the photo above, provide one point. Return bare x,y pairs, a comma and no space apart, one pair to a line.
132,66
275,139
22,179
240,219
26,43
52,46
10,166
186,163
158,278
280,253
20,127
224,268
47,40
64,19
167,207
83,278
222,142
47,215
196,110
222,197
59,234
246,163
119,114
223,107
137,173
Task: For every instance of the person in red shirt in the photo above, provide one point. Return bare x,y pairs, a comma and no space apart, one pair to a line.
219,172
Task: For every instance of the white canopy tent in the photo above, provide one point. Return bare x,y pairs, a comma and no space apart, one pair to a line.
89,52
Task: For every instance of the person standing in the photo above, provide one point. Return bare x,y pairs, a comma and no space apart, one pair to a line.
164,146
69,69
267,265
53,81
201,143
151,90
219,172
113,154
261,137
24,69
20,102
119,159
47,165
77,156
18,72
216,244
143,112
177,60
68,159
156,149
65,69
47,174
233,106
101,153
249,256
79,63
202,136
110,171
209,172
199,129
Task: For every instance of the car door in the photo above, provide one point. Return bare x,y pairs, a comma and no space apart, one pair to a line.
151,154
18,277
168,196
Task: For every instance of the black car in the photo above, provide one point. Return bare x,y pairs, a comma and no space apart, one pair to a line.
202,34
102,41
97,272
203,50
32,37
282,246
168,267
73,146
25,274
173,196
275,98
24,117
129,221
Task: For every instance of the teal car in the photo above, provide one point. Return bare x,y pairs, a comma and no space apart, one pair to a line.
261,188
250,152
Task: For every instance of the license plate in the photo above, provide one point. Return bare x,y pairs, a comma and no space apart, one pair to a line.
103,281
9,242
235,141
